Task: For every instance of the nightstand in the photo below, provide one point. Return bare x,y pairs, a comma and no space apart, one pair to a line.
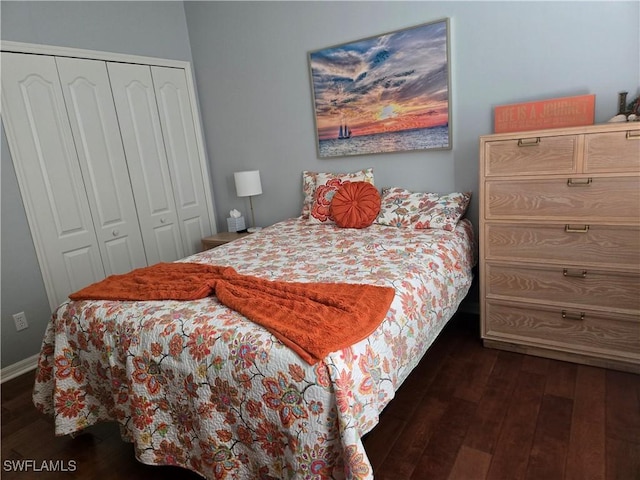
221,238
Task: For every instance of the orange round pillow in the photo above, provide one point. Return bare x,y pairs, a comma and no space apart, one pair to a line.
355,205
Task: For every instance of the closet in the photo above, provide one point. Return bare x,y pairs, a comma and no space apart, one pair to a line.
109,160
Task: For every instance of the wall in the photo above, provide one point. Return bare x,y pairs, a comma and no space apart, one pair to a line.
154,29
250,60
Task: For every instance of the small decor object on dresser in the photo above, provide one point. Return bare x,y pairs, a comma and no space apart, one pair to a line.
627,113
553,113
560,244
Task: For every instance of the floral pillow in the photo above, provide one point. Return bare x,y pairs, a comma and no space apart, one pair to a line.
325,185
444,211
400,207
308,189
405,209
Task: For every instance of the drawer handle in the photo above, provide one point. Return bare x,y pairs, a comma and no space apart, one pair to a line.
528,142
631,136
569,229
572,316
583,182
115,233
567,273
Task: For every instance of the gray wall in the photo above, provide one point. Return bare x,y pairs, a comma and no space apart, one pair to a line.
250,60
154,29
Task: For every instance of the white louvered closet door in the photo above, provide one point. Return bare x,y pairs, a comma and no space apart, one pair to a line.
179,133
137,111
49,174
87,93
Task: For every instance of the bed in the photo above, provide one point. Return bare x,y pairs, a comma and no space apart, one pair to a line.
197,385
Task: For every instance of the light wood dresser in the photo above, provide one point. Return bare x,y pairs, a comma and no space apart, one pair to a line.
560,244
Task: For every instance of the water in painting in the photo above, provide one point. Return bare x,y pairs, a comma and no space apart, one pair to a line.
416,139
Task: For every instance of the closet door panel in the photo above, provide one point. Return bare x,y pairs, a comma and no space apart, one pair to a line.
165,243
137,113
49,174
119,257
80,269
179,133
87,93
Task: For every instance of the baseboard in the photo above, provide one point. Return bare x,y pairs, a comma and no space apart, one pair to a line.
19,368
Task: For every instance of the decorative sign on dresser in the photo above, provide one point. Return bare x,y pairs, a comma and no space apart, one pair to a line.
560,243
553,113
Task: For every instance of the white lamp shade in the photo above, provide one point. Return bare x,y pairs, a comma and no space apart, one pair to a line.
248,183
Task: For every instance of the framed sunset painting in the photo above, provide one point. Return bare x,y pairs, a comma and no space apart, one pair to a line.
387,93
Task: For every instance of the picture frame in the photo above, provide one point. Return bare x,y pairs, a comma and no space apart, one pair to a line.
384,93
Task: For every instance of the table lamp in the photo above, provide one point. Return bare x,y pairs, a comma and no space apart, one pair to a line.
247,185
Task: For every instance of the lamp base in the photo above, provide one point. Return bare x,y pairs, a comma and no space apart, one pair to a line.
254,229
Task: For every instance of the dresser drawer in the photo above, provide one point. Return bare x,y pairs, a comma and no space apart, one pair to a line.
586,332
569,286
612,152
609,246
531,155
610,198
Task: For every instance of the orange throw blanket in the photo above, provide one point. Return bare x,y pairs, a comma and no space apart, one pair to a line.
313,319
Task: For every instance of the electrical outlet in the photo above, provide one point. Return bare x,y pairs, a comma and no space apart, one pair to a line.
20,319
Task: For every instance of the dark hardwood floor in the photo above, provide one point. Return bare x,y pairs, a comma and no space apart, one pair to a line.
465,413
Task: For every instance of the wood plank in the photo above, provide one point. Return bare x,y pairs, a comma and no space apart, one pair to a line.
622,425
475,375
15,394
586,455
535,364
440,453
29,442
511,453
387,433
549,450
470,463
407,450
623,460
561,379
622,406
485,428
446,382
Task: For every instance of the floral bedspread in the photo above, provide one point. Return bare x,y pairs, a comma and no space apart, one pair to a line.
197,385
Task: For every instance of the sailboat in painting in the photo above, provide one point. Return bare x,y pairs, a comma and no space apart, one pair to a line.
345,132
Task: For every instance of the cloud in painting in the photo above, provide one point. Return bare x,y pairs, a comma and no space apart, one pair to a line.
399,76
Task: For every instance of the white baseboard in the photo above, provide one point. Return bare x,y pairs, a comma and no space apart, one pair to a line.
18,368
